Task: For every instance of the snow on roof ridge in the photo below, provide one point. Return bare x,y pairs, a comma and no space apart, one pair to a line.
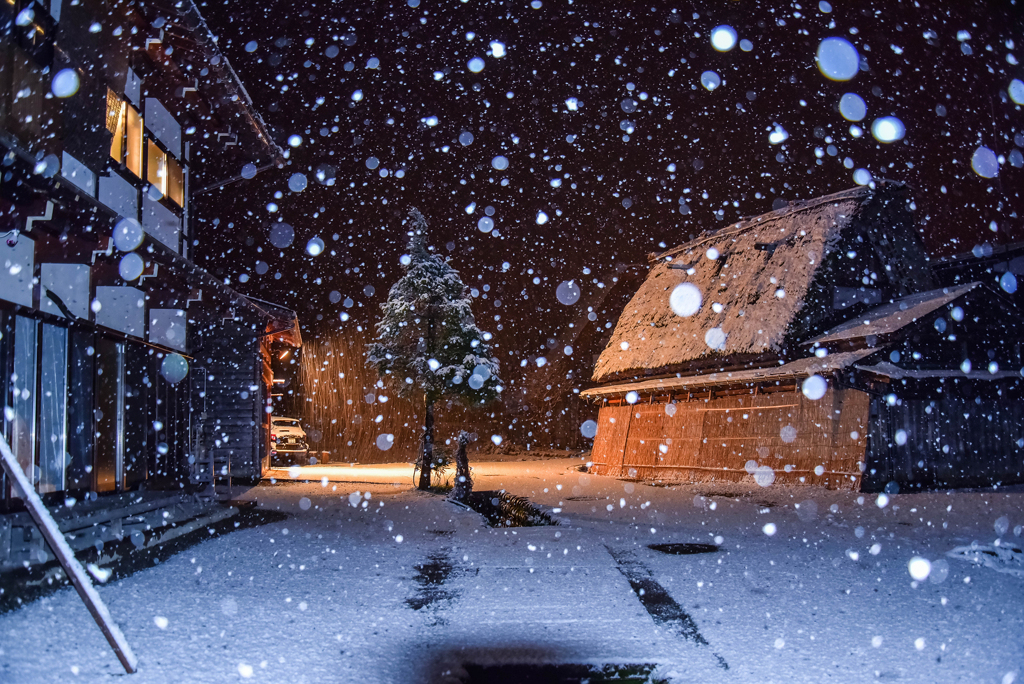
760,283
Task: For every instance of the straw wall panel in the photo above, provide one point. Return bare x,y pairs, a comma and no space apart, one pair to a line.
610,440
684,431
713,439
646,436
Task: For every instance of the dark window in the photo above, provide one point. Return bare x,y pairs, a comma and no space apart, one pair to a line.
109,401
53,400
81,383
135,395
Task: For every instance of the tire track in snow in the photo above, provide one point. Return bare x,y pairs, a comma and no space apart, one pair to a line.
656,600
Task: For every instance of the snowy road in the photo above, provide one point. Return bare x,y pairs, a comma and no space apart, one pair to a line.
410,588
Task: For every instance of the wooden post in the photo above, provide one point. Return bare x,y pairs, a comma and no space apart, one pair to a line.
427,455
48,526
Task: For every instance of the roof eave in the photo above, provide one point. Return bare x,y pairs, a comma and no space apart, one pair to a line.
794,370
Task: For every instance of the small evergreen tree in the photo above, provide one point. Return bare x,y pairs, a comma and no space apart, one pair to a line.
427,340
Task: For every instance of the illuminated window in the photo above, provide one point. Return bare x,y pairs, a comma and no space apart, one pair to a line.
115,124
125,126
133,137
175,182
156,167
126,146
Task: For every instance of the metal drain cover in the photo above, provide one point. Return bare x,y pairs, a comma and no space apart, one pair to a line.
642,673
683,549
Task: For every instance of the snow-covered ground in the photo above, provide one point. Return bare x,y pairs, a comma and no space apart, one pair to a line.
334,593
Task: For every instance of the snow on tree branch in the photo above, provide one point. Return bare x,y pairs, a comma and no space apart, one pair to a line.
427,339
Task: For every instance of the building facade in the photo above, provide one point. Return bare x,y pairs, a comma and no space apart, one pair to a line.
123,366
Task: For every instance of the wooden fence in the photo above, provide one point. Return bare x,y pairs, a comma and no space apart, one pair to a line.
346,414
963,439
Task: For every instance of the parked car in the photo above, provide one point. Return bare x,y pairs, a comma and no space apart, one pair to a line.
287,441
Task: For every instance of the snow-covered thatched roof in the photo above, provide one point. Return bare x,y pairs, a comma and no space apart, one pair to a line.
769,282
794,370
894,316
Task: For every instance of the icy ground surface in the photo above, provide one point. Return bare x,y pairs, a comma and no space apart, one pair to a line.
334,592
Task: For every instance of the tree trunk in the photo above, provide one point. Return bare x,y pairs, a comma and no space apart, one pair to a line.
427,457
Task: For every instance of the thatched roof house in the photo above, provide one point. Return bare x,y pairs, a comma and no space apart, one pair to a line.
770,282
810,346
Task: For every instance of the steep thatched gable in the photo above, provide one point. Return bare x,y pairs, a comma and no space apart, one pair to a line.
770,281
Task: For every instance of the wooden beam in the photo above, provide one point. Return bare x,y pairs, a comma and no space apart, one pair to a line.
48,526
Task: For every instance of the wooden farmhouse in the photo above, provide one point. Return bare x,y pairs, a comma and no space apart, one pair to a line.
811,345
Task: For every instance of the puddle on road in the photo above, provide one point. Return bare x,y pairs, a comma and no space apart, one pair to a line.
506,510
683,549
431,576
561,674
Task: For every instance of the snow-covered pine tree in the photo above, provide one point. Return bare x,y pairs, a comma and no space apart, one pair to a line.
428,342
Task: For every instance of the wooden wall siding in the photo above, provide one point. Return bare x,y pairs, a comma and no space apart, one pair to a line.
266,390
707,440
610,441
951,441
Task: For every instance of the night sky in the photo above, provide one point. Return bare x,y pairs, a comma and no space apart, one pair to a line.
600,110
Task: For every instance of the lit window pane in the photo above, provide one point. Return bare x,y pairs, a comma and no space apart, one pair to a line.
115,124
175,182
134,152
156,167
